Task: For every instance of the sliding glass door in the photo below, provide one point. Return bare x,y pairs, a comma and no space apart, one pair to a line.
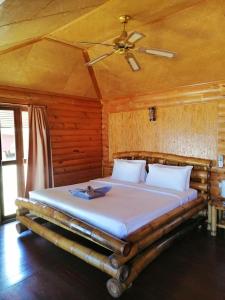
13,157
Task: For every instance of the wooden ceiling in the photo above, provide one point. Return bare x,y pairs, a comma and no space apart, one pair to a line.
40,49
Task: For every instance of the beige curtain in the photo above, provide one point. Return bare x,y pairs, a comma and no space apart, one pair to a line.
39,171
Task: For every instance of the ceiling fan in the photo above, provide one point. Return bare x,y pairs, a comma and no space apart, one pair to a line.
124,44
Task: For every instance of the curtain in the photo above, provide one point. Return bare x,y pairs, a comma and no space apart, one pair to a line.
39,169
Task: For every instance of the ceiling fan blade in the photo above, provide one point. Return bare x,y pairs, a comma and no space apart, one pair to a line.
96,43
135,36
132,62
95,60
158,52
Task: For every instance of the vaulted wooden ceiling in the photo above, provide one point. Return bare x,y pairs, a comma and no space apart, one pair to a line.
40,49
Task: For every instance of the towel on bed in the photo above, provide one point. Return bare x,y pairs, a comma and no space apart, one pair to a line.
90,193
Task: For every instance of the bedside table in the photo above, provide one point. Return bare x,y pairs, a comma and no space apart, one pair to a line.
217,212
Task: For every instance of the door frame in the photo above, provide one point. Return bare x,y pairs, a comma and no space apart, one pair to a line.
19,161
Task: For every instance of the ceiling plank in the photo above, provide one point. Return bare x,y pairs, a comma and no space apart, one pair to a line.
21,20
102,23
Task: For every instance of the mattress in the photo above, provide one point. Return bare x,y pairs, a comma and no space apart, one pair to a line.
124,209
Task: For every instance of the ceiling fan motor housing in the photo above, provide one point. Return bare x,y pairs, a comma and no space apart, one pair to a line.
124,18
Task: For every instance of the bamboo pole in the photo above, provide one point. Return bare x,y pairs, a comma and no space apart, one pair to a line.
20,228
77,226
117,260
214,221
205,163
88,255
209,216
157,223
116,288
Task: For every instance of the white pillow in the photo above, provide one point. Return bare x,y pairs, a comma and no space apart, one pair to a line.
187,168
126,171
171,177
135,161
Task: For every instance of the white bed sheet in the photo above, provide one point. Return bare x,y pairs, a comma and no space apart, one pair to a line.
123,210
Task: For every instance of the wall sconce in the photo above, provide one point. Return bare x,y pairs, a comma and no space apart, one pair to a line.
152,113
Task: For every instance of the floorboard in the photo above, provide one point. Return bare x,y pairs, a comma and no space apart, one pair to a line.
31,268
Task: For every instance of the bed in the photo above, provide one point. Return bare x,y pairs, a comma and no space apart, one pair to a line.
133,234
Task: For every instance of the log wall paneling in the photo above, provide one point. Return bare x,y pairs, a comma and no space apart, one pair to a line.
190,121
219,173
75,129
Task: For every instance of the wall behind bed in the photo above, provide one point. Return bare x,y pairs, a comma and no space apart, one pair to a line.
190,121
75,128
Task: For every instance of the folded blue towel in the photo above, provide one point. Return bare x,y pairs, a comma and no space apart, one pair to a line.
90,193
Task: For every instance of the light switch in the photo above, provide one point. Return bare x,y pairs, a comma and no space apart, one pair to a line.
220,161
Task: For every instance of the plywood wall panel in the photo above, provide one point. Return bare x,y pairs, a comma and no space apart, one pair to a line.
185,130
221,128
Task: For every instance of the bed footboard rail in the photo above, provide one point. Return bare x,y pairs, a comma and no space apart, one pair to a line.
77,226
116,287
158,232
85,253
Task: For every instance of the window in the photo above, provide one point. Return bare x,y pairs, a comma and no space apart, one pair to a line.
13,154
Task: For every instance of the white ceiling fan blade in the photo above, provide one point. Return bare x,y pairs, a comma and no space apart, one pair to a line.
135,36
158,52
96,43
132,62
95,60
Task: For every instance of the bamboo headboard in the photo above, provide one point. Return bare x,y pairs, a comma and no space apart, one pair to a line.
200,175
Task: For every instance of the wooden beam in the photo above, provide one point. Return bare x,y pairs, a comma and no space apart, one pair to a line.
21,45
9,92
92,75
61,42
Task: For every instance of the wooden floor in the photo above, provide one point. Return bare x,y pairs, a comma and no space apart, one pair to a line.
32,268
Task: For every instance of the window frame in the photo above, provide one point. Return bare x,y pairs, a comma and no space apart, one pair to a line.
19,161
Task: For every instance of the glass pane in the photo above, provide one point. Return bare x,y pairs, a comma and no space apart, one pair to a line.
25,126
25,172
9,174
7,135
25,133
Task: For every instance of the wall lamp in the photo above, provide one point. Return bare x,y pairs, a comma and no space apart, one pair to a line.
152,113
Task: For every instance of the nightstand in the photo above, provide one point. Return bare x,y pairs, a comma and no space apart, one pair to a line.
217,214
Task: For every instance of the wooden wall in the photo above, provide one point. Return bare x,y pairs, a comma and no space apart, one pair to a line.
190,121
75,128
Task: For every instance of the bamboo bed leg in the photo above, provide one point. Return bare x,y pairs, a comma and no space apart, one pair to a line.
21,211
214,221
20,228
209,216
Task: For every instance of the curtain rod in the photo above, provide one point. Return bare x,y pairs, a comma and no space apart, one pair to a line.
20,105
12,104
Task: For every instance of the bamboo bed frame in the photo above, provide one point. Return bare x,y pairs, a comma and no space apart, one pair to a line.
127,257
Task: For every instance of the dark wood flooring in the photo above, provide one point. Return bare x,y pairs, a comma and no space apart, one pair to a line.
32,268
